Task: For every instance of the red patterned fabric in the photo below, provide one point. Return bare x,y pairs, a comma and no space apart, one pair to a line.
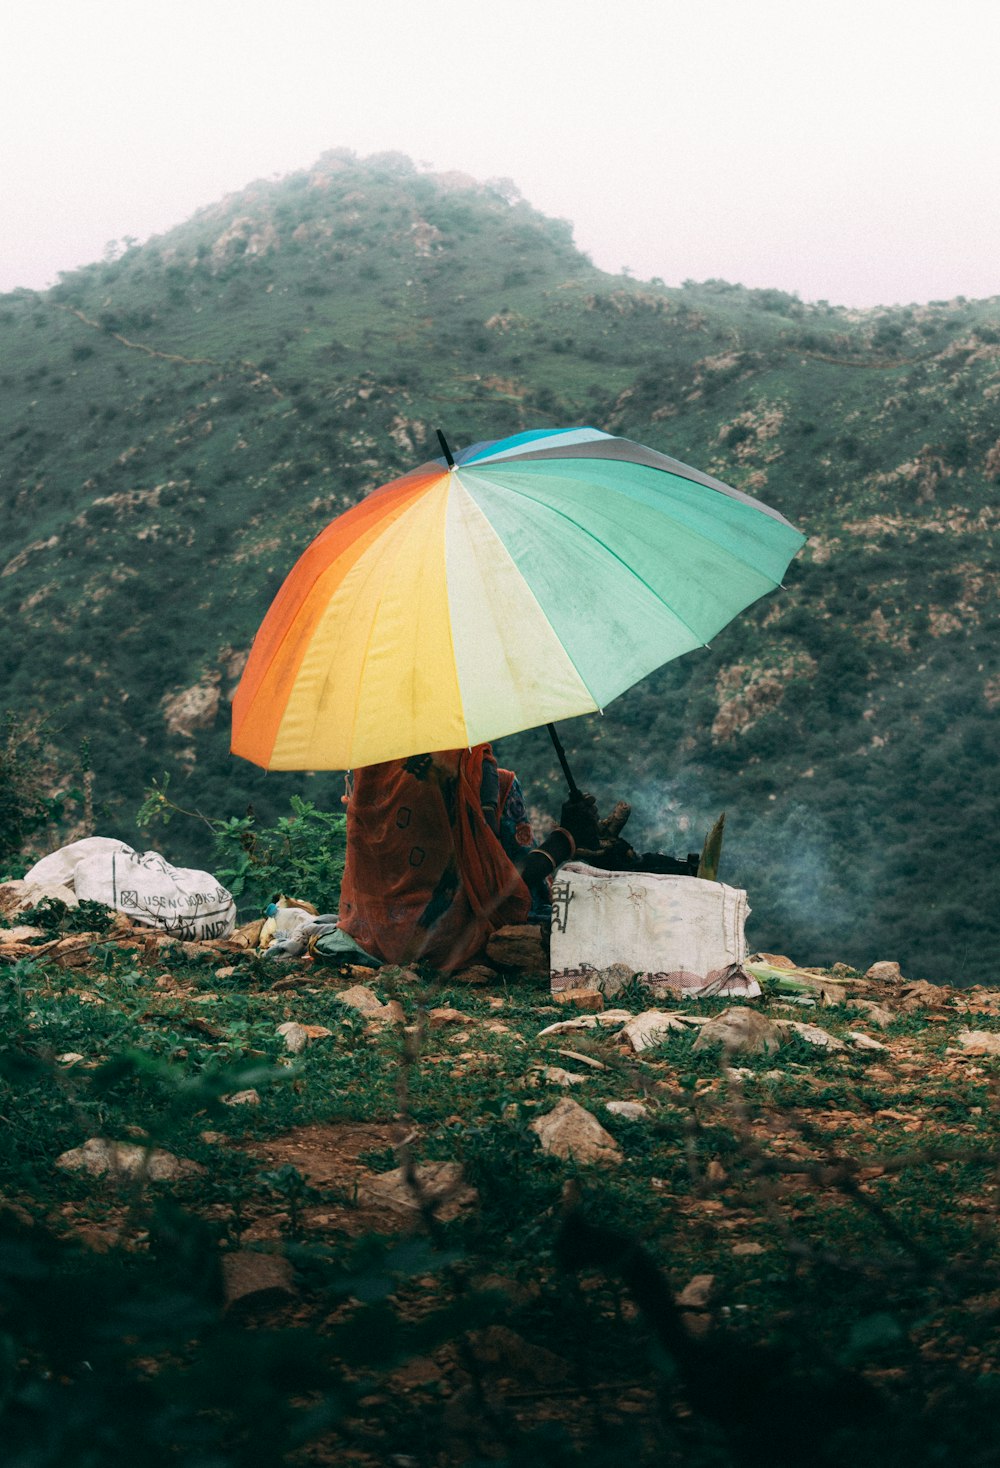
425,877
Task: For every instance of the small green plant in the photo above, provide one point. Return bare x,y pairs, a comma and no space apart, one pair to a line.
17,980
379,1159
301,855
287,1184
54,917
633,995
26,803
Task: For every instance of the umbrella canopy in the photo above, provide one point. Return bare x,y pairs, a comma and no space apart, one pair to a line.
529,579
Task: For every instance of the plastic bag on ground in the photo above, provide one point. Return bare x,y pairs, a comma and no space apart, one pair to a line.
283,921
290,930
333,944
188,904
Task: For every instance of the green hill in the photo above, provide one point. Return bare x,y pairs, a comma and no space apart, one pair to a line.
178,422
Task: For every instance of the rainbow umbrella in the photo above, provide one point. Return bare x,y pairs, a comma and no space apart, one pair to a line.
521,581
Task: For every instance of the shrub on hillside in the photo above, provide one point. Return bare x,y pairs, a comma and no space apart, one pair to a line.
300,856
25,804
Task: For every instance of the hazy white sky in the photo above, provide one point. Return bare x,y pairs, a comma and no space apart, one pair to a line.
846,149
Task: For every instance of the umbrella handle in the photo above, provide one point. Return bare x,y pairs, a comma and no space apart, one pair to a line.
574,789
449,457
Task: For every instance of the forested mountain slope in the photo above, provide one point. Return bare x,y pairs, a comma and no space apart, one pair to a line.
178,421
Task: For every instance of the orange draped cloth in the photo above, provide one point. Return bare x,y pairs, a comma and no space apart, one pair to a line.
426,878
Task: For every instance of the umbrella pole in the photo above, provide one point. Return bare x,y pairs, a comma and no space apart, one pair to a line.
574,789
449,457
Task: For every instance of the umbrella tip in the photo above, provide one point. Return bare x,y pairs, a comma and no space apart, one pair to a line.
447,451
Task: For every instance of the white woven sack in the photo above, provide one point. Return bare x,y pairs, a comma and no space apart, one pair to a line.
186,903
641,922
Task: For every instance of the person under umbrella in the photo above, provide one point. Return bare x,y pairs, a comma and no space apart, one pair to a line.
440,855
520,581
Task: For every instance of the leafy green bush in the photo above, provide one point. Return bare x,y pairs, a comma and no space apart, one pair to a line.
26,804
301,855
54,917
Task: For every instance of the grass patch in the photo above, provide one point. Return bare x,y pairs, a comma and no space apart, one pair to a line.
844,1204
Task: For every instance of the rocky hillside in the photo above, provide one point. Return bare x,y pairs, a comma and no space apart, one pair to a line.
180,419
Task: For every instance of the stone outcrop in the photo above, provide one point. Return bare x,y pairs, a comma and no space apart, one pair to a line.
740,1028
126,1162
519,946
193,708
570,1131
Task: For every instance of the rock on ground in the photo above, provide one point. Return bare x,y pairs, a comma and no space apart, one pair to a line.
582,998
17,896
861,1041
73,951
445,1015
442,1185
364,1001
814,1034
126,1161
697,1292
985,1042
297,1037
740,1028
294,1036
20,935
609,980
477,974
519,946
922,995
877,1014
570,1131
258,1280
247,935
649,1028
631,1110
511,1355
884,972
557,1076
